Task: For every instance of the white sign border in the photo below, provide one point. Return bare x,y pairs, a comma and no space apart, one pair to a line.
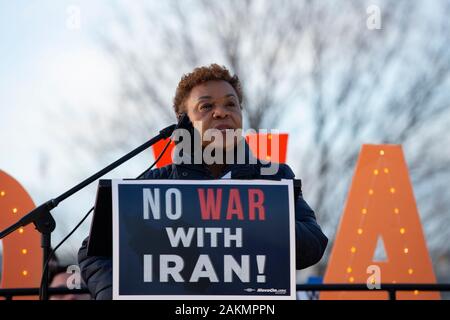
115,207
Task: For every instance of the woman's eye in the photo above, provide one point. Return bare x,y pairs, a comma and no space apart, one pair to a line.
231,104
205,106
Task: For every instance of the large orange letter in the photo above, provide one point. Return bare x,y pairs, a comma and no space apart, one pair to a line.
22,256
380,213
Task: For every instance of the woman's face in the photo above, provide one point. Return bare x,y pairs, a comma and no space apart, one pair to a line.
214,105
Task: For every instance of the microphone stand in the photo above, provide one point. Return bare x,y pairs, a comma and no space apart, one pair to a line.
42,218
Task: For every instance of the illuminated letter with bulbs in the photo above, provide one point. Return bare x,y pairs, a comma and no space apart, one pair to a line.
380,227
22,256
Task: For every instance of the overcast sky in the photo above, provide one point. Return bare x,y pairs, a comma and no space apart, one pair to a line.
48,63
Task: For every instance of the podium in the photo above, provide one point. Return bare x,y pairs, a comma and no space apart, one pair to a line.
100,235
197,239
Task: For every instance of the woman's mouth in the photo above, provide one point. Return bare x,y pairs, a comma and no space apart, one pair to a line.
223,127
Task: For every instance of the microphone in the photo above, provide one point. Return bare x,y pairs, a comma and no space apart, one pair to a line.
183,123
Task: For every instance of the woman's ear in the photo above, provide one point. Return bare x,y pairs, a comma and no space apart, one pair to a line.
180,111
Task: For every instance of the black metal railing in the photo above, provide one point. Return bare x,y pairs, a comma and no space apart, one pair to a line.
391,289
8,294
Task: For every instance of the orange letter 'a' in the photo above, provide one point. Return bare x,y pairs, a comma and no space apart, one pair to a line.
22,256
380,229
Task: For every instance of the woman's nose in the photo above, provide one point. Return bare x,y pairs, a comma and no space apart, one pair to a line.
220,112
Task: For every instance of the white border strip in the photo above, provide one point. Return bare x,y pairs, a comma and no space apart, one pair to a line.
115,205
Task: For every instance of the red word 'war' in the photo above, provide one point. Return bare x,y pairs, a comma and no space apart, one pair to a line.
211,204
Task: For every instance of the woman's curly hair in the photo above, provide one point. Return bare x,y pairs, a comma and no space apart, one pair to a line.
200,75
